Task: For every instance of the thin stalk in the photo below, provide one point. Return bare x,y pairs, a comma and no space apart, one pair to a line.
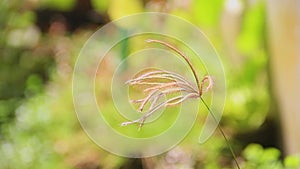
222,132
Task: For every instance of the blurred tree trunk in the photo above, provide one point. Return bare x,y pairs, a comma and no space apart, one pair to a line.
283,19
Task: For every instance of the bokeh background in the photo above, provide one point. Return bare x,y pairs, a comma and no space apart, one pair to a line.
258,42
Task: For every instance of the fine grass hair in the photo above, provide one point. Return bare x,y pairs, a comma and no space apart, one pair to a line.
160,83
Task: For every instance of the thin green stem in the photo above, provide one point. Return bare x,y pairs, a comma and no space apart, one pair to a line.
222,132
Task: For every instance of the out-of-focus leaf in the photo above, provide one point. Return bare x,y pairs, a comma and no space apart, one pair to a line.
120,8
258,157
100,5
253,152
251,35
34,84
292,162
207,13
22,21
270,155
182,14
64,5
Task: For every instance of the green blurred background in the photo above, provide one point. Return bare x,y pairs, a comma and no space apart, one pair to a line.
257,40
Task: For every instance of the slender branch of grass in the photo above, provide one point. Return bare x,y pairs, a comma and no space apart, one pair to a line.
200,87
161,83
222,132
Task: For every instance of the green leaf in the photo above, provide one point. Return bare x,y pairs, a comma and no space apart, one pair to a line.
292,162
269,155
207,13
64,5
252,32
100,5
120,8
253,152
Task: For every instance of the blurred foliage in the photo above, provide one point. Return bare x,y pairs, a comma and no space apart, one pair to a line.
65,5
100,6
38,125
248,97
24,63
258,157
207,13
116,8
